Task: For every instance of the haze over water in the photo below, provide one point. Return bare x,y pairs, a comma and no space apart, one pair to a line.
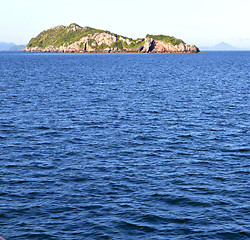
124,146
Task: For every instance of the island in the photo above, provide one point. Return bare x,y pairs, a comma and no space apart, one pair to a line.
77,39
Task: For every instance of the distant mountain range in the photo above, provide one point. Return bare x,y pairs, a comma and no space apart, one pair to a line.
220,47
11,47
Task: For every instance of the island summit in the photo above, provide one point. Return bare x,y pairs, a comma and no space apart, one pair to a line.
77,39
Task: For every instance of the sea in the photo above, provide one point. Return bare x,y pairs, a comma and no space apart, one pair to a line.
125,146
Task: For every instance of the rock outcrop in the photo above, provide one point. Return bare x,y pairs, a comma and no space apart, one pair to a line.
88,40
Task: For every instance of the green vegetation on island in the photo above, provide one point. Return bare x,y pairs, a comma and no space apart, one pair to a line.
168,39
74,38
60,35
64,36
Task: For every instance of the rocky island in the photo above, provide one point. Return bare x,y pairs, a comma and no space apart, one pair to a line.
77,39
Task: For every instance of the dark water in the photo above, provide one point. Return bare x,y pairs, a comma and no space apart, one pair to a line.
125,146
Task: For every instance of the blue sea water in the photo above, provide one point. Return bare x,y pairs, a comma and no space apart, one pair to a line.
124,146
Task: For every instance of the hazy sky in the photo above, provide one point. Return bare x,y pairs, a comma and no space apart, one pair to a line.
200,22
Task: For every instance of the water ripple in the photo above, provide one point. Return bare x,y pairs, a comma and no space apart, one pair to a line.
124,146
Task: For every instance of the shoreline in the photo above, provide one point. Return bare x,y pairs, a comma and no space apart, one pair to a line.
103,52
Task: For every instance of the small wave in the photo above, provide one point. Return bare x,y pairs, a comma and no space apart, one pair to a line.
180,200
35,236
42,128
132,226
185,136
154,219
237,150
231,235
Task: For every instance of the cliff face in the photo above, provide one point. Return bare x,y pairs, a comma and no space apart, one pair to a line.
158,46
86,40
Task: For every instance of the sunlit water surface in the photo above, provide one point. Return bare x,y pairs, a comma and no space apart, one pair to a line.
124,146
